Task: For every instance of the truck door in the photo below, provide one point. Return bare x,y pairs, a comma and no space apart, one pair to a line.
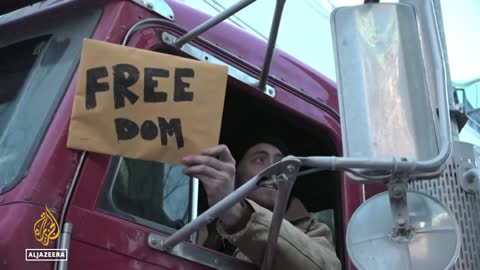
117,202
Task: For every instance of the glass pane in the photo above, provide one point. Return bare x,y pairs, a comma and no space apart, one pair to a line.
174,193
16,63
154,191
36,67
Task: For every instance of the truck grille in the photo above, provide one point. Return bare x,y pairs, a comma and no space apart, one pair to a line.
465,206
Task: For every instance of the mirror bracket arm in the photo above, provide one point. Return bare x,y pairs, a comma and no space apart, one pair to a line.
284,183
402,230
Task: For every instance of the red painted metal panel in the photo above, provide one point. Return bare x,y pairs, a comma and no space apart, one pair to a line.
16,226
96,258
123,238
373,189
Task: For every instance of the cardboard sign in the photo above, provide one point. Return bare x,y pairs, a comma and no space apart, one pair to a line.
146,105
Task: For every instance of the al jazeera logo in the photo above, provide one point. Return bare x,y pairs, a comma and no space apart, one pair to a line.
46,229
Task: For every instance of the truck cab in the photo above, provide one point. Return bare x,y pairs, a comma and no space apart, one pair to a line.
106,206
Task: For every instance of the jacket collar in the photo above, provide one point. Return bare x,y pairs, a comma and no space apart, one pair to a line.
296,211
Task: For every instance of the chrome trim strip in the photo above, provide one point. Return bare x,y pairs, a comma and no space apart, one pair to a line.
160,7
81,161
68,198
194,205
364,195
203,56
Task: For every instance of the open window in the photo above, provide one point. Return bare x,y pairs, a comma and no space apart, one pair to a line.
249,114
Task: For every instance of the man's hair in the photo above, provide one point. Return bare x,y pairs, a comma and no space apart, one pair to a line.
239,149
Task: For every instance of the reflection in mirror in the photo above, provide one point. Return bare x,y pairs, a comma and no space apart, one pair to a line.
467,96
382,84
436,243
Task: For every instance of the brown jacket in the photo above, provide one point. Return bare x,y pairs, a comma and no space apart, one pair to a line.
303,243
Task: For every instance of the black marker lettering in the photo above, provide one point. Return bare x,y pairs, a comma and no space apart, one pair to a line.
179,93
149,130
93,86
170,128
125,128
150,84
121,82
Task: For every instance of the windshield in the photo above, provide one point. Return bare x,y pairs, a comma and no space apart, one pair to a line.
16,63
36,68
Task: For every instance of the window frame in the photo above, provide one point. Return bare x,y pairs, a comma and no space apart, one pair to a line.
106,203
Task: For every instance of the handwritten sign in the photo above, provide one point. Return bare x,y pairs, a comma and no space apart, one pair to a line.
146,105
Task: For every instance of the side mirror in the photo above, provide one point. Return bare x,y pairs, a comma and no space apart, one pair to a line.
386,113
384,100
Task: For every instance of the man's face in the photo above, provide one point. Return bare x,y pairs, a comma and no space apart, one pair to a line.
257,158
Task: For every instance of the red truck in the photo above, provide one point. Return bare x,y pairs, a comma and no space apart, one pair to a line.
90,204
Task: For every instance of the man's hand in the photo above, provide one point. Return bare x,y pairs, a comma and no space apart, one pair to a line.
215,168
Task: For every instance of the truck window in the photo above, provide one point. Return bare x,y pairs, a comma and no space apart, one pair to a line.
149,193
36,66
16,63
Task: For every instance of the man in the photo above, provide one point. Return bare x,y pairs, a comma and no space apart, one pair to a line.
302,243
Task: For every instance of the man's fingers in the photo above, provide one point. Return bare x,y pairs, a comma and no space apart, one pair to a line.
215,168
191,161
221,151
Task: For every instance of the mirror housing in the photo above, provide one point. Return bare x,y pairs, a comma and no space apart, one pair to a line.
384,100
